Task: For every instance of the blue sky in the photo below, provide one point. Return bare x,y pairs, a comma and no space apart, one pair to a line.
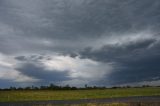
78,42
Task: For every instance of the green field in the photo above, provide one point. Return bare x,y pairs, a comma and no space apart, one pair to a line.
93,104
7,96
111,104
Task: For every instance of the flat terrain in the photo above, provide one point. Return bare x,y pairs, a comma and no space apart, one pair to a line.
45,95
117,101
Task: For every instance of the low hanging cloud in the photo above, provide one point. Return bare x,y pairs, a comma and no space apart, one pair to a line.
57,69
42,74
134,60
10,76
60,69
105,42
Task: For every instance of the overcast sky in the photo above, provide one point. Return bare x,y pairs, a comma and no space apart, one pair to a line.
78,42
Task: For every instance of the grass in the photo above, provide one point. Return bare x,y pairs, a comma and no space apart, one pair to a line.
111,104
90,104
9,96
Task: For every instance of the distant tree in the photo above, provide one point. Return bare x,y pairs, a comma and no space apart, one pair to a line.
67,87
86,86
74,88
20,88
95,87
43,87
36,88
128,86
145,86
12,88
27,88
53,87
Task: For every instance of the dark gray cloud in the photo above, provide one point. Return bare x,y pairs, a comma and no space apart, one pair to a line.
121,53
134,62
73,19
6,83
32,58
21,58
141,70
91,18
40,73
122,33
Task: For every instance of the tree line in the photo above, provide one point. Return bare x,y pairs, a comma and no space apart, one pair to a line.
67,87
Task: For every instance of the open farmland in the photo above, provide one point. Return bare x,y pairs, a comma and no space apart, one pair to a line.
111,104
43,95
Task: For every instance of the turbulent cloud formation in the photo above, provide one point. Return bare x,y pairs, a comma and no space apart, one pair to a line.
77,42
59,69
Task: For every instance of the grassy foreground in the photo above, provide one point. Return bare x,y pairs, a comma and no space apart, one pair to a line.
91,104
112,104
7,96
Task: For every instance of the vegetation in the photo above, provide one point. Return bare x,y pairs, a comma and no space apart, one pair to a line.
67,87
112,104
36,95
91,104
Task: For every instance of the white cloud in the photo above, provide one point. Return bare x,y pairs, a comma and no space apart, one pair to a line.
78,68
122,39
7,71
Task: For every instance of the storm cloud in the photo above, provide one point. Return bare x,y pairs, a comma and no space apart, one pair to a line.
77,42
